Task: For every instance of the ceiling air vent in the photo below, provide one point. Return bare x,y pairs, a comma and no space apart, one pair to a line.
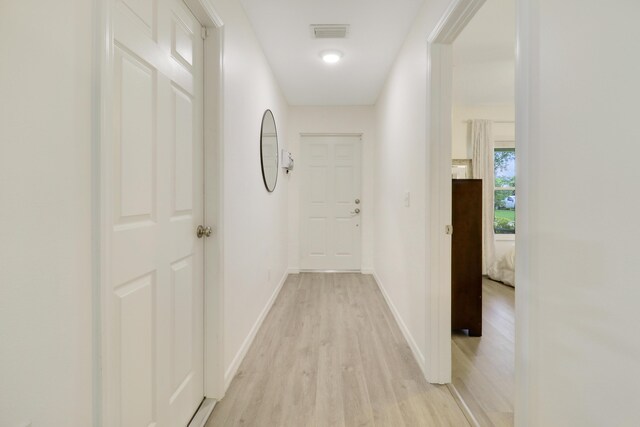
329,31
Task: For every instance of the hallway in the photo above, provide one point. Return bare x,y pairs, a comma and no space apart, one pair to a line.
331,354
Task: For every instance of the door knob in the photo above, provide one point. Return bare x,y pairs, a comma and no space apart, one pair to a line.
203,231
356,211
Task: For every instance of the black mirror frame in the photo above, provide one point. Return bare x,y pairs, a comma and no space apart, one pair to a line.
264,178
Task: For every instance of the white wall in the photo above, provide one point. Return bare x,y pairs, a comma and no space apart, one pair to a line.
255,221
400,165
45,213
578,259
504,134
359,119
484,83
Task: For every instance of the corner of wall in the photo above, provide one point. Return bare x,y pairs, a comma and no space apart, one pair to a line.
231,371
415,349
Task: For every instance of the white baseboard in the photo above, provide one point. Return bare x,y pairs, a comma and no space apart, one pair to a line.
294,271
417,354
246,344
204,412
463,406
368,271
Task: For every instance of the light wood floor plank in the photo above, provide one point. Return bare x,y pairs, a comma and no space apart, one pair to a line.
483,368
331,354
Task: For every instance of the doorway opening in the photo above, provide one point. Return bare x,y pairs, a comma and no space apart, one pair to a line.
473,183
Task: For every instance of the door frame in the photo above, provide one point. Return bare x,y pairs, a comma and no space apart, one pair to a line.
439,84
439,106
102,104
299,207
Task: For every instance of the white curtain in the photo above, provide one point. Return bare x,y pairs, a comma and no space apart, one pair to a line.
482,146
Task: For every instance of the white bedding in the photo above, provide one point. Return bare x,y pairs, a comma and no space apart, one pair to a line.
503,269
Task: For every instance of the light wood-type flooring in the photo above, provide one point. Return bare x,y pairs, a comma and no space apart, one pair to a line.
483,368
330,353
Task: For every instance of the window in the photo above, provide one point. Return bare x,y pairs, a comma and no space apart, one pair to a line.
504,220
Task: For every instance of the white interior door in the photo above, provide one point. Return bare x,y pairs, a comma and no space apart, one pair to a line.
154,318
331,203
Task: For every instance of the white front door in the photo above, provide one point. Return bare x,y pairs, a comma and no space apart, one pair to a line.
154,318
331,203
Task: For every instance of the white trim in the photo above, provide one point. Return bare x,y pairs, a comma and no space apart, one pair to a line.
214,212
204,412
246,344
294,271
505,143
454,20
332,134
415,350
368,271
310,270
100,106
463,406
438,303
439,84
504,237
526,108
469,121
205,12
213,133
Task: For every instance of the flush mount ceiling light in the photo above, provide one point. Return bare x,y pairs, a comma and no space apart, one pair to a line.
331,56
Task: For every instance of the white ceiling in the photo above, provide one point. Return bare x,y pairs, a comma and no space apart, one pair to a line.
377,31
484,57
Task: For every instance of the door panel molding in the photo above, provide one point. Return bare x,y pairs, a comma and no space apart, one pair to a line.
331,166
104,410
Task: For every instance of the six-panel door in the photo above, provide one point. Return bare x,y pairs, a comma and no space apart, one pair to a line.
330,208
154,320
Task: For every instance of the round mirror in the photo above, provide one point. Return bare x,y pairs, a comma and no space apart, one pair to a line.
269,151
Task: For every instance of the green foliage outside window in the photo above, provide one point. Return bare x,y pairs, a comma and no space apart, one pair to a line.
505,191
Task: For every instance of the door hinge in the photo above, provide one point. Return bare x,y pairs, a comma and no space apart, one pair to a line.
204,33
448,229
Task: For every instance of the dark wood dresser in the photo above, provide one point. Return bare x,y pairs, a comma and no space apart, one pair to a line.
466,256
